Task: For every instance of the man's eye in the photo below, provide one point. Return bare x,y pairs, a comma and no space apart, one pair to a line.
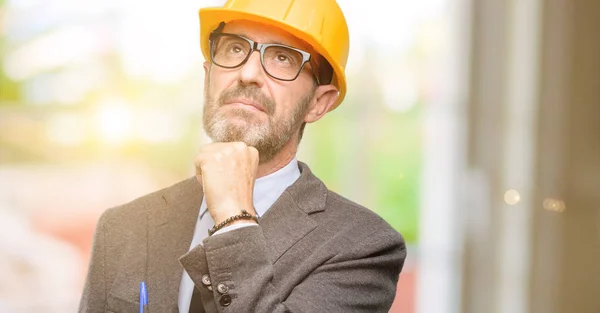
236,49
282,58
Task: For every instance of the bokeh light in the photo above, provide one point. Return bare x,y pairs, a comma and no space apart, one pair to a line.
512,197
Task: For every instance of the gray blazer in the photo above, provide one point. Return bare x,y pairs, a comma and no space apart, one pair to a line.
314,251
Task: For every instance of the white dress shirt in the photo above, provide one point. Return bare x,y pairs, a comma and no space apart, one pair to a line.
267,190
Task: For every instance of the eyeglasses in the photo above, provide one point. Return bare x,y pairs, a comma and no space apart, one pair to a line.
279,61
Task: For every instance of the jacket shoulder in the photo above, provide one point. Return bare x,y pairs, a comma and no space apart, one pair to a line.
361,221
132,210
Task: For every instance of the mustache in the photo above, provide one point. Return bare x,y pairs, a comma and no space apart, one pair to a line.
251,93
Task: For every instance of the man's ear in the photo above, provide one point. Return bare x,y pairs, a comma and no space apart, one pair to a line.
324,98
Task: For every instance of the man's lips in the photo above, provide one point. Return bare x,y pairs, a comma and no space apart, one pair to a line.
245,102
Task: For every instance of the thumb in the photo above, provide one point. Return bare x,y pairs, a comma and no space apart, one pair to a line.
254,156
199,176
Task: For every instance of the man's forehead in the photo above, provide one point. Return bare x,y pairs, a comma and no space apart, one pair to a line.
264,33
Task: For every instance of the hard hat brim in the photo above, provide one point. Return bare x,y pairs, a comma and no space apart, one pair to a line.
210,18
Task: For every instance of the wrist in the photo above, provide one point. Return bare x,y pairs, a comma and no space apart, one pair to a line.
234,226
243,217
222,210
242,222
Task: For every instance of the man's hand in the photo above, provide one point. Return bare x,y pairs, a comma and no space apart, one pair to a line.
227,171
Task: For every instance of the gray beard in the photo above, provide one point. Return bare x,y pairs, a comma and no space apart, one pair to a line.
267,137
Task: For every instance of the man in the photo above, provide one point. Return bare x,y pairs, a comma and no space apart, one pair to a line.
254,230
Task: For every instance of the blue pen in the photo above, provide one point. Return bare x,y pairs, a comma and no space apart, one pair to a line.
143,296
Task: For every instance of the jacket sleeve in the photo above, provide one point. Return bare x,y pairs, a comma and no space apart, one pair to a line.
93,298
360,279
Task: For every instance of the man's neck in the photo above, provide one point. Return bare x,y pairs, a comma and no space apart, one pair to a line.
281,159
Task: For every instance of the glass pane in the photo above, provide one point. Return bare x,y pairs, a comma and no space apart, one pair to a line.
230,50
282,62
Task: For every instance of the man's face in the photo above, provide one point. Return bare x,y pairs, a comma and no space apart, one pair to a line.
246,104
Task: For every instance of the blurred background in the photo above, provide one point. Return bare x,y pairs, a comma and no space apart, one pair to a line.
471,126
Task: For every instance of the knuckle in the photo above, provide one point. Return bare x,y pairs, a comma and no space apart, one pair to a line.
239,145
198,160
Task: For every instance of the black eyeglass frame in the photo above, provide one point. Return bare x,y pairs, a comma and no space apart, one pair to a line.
261,47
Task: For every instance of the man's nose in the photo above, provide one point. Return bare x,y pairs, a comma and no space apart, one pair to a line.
252,71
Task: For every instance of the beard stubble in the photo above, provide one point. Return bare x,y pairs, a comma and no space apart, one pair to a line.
267,137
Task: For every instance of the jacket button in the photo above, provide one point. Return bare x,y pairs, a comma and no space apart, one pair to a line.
225,300
206,279
222,288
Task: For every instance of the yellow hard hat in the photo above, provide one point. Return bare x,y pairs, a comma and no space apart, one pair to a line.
320,23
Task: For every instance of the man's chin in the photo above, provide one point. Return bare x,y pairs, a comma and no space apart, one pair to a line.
231,132
242,128
240,113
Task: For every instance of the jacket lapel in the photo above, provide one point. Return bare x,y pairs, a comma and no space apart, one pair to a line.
170,232
288,220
